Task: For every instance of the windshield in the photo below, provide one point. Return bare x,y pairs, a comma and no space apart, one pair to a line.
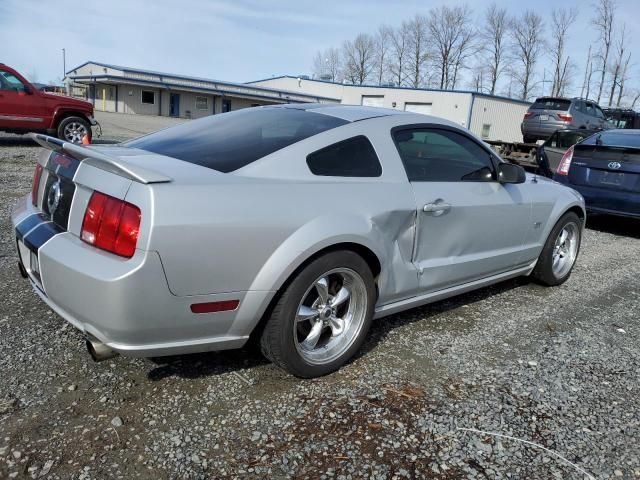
551,104
233,140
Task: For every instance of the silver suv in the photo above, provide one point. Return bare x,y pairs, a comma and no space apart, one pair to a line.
548,114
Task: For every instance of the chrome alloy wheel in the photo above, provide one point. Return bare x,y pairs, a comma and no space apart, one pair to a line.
565,250
330,316
74,132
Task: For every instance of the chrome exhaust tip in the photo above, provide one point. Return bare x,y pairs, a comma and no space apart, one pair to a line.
99,351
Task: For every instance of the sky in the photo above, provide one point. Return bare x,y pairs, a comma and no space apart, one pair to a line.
236,40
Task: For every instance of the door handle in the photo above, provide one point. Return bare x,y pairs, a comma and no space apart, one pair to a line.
438,208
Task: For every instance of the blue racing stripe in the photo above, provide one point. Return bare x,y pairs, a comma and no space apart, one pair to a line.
62,165
29,223
40,235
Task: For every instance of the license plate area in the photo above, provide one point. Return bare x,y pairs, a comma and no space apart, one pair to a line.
544,118
29,260
612,178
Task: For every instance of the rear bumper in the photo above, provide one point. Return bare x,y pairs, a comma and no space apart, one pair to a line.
542,131
605,201
126,303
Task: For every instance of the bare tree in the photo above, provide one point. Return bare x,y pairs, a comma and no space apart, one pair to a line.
527,42
561,21
359,58
636,97
588,71
623,79
417,58
449,31
619,63
603,21
492,34
399,54
466,48
382,44
327,65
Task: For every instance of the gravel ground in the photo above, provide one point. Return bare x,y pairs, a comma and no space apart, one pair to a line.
426,398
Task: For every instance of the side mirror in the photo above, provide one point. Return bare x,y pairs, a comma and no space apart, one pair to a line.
510,173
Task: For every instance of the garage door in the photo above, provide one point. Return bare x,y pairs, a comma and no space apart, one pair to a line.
423,108
373,100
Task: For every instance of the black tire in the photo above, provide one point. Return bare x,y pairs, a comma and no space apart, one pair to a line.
544,272
68,133
277,341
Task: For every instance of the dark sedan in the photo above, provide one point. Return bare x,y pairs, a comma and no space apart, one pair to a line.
605,169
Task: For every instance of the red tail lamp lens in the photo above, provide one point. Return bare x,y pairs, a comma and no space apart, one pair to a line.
565,162
111,224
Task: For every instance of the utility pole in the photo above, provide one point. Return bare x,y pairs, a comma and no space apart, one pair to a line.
64,63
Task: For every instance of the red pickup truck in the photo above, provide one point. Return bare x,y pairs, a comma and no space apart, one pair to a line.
24,109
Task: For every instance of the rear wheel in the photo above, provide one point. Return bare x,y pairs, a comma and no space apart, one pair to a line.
322,318
73,129
560,251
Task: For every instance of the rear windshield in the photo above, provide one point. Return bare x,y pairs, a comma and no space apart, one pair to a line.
615,138
551,104
230,141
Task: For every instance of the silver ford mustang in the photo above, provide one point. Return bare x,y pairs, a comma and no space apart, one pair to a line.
295,224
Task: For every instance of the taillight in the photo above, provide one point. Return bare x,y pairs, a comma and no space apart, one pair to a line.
36,184
565,117
528,115
111,224
565,162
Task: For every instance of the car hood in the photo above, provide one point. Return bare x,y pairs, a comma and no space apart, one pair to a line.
68,101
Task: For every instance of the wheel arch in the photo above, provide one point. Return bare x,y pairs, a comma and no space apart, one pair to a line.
64,112
365,252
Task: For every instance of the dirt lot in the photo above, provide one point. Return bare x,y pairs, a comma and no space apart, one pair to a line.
426,398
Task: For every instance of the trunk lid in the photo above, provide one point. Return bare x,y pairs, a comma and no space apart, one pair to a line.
606,167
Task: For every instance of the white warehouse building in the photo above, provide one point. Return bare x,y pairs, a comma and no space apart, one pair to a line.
113,88
488,116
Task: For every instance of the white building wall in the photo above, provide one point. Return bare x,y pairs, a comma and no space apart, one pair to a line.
131,96
497,119
453,106
105,98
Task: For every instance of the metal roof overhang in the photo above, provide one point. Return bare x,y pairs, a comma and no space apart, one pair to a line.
251,93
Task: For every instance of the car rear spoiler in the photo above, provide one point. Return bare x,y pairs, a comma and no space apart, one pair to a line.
99,160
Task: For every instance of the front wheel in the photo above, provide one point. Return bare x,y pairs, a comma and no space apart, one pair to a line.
560,251
73,130
322,318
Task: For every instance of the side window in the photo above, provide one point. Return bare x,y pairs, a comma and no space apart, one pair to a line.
599,112
10,82
434,155
580,106
354,157
590,110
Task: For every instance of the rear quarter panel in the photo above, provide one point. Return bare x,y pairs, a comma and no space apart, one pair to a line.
251,229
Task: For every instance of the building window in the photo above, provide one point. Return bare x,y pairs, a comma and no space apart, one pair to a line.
202,103
354,157
486,130
148,97
226,106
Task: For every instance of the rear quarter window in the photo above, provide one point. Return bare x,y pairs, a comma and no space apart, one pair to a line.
614,139
354,157
227,142
551,104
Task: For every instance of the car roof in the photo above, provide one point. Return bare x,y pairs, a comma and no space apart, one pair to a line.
350,113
